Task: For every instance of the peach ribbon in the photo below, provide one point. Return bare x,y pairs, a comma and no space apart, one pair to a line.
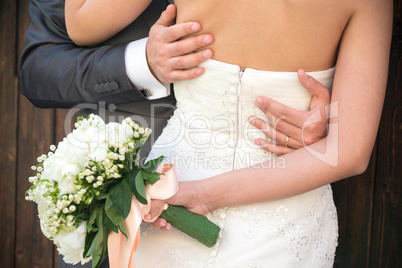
121,249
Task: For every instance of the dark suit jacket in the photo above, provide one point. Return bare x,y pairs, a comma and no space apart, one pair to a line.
55,73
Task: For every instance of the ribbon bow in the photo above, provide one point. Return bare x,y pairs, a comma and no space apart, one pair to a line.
121,249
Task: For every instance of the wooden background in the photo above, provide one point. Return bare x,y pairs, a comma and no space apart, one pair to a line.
369,205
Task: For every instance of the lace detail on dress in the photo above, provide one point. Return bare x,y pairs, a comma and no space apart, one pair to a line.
308,237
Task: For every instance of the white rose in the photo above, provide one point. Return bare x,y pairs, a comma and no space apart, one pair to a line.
85,132
67,186
115,134
67,160
71,244
99,153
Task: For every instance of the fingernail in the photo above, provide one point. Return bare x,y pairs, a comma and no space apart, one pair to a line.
206,54
206,40
168,227
252,120
148,217
161,224
195,27
258,102
198,72
305,74
257,142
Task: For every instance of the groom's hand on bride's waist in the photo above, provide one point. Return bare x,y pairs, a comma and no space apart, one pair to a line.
169,56
291,128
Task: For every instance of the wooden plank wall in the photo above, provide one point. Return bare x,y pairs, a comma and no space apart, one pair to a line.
369,205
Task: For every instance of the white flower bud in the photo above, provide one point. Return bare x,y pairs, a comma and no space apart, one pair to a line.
99,183
90,179
33,167
88,172
141,131
57,210
60,205
40,169
65,210
55,218
99,178
93,168
72,208
136,135
52,147
70,218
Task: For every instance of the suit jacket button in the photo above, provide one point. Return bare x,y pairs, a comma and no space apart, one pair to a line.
106,87
97,89
114,85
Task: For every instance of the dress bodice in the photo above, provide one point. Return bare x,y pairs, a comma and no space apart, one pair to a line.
209,134
211,120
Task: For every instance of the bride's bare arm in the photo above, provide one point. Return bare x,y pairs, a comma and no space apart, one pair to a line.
90,22
356,105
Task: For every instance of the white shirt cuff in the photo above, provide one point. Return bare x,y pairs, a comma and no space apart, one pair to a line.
138,71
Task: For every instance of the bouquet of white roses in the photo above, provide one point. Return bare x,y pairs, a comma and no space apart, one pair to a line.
84,188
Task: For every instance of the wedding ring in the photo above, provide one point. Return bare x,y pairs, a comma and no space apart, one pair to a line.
287,141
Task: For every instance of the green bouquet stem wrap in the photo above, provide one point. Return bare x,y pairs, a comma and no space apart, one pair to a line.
197,226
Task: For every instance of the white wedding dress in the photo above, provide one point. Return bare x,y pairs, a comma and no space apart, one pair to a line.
209,134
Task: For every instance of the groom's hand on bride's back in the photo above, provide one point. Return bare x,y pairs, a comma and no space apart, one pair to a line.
170,57
292,129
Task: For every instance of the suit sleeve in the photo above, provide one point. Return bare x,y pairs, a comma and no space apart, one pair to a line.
55,73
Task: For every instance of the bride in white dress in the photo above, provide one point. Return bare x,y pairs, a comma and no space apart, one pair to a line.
209,134
273,211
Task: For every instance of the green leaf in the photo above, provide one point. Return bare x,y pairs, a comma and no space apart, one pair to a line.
153,164
114,215
101,196
93,244
91,227
123,228
138,186
120,195
89,239
150,177
110,226
97,255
